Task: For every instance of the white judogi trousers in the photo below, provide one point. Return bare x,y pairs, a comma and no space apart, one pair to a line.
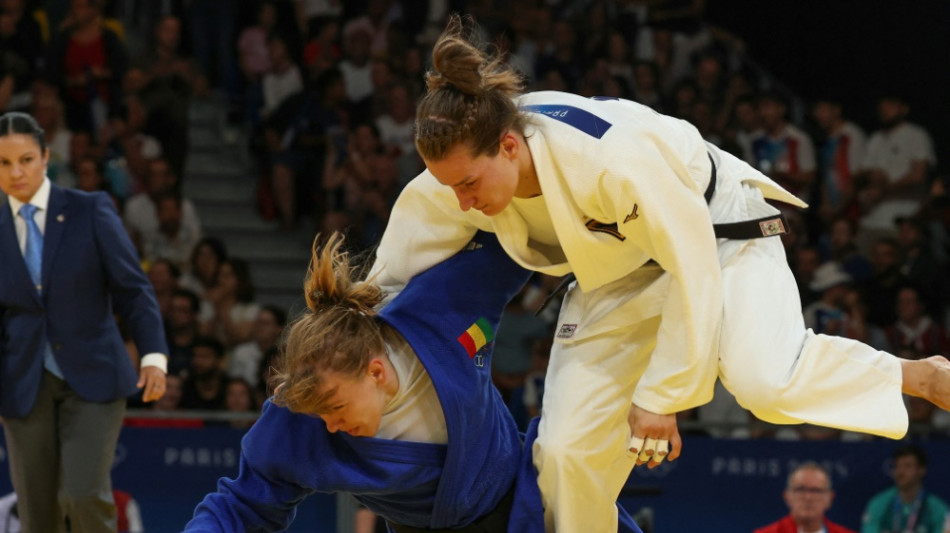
776,368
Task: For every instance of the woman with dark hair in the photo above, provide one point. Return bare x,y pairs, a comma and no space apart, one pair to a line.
67,263
240,397
229,312
206,259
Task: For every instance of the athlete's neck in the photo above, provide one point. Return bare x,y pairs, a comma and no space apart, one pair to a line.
528,184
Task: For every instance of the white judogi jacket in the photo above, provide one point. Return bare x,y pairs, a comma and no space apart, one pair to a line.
623,186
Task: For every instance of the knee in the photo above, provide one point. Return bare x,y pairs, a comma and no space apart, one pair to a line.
760,395
85,497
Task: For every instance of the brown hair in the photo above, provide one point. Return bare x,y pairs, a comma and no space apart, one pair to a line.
469,96
338,332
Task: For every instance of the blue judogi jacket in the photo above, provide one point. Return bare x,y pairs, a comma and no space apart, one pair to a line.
287,456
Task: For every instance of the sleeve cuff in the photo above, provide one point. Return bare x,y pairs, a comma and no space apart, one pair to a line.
157,360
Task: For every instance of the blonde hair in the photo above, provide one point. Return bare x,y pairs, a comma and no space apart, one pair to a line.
469,97
338,332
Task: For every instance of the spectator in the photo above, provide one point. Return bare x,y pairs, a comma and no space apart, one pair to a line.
396,126
239,397
356,66
21,54
254,60
87,62
376,198
808,495
857,327
839,160
923,423
168,81
564,57
880,292
783,151
297,137
80,146
837,244
899,157
744,126
141,211
48,111
906,506
127,148
182,330
266,372
709,78
204,387
322,50
247,357
915,329
283,79
90,176
827,315
206,259
213,24
646,88
229,313
919,262
620,63
163,275
376,22
172,241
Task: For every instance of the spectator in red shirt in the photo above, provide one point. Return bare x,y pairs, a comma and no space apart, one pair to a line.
808,496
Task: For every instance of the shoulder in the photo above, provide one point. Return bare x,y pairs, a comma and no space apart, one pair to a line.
936,503
75,197
911,129
774,527
882,498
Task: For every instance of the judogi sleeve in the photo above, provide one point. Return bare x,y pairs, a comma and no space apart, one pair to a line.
271,479
674,228
250,502
426,227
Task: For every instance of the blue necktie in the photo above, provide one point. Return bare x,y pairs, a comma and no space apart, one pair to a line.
33,251
33,255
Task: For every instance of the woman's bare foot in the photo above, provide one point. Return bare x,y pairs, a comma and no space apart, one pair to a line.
928,379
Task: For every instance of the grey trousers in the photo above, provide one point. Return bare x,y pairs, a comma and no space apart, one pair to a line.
61,456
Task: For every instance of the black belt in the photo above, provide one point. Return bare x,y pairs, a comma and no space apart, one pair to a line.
747,229
496,521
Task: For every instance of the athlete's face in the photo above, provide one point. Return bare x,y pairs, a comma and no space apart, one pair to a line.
486,183
356,404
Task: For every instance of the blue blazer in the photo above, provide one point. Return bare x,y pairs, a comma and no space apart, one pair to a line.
89,266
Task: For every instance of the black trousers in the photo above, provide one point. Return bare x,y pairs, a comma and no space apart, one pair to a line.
496,521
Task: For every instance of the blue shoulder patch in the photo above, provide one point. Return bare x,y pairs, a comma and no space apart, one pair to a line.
583,120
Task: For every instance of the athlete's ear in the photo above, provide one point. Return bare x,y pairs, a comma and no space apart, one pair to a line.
510,145
376,369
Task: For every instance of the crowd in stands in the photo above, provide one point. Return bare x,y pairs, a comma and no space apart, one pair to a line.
323,92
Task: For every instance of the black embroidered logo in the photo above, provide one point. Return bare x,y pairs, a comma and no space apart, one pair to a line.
633,214
609,229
